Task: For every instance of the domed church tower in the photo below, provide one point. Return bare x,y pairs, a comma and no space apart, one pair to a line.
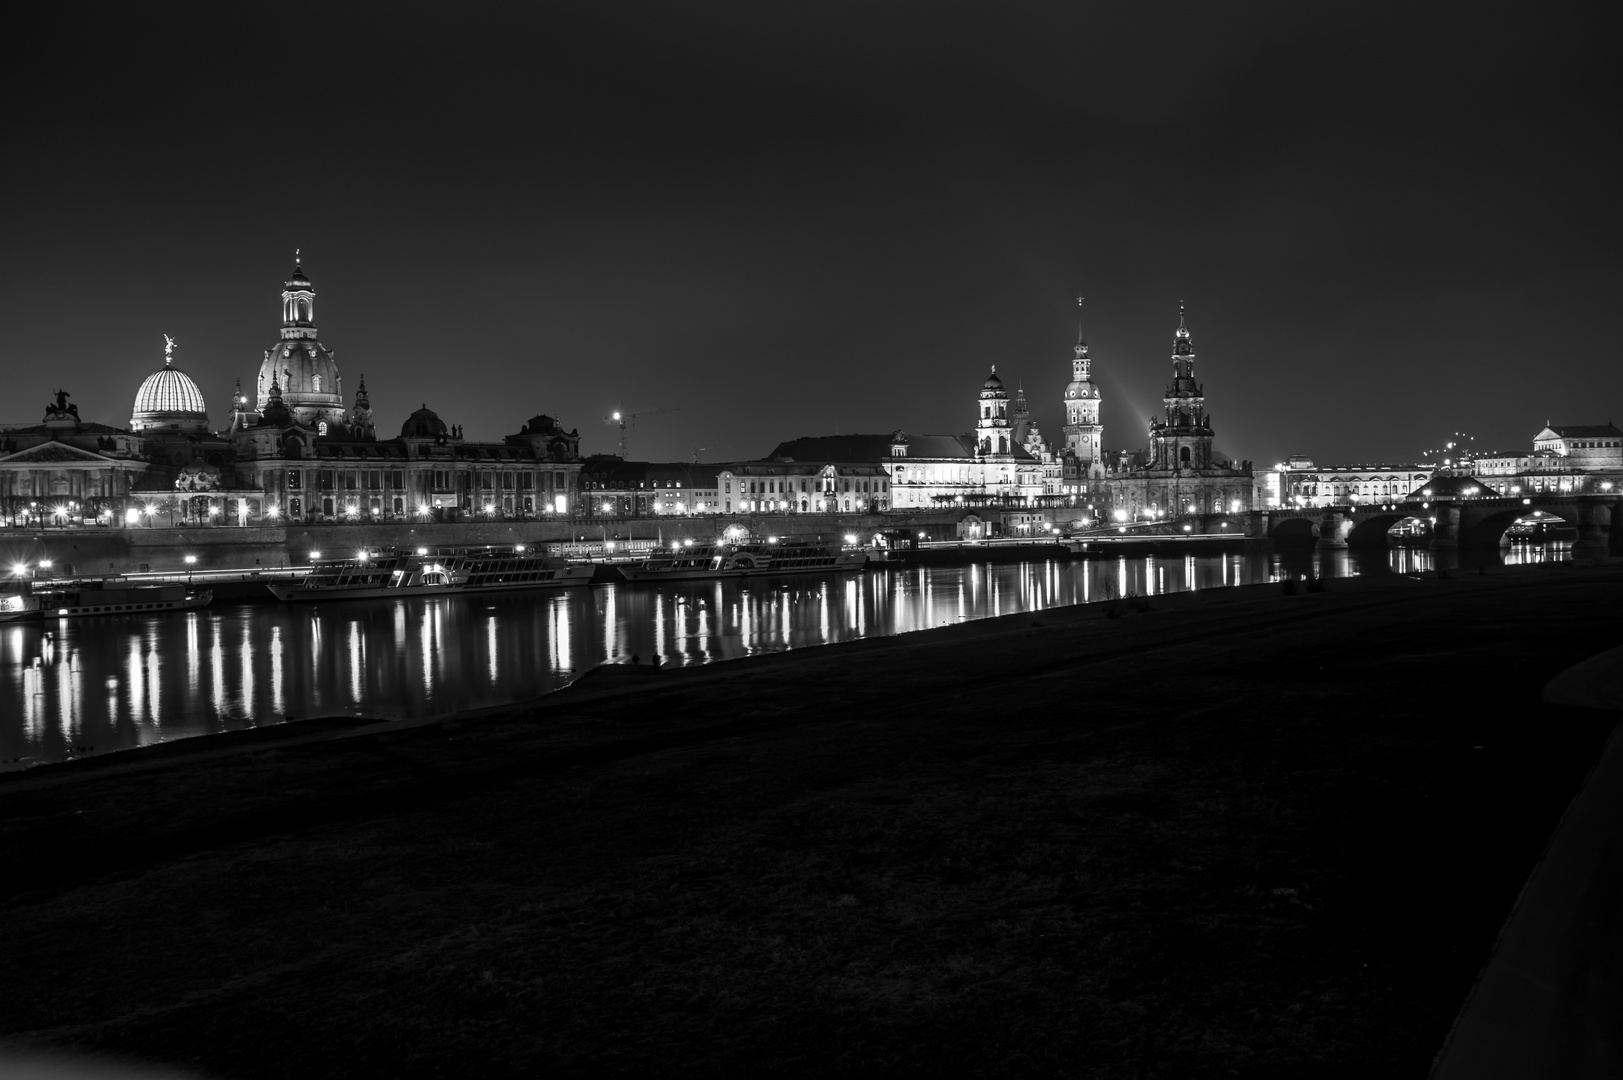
312,389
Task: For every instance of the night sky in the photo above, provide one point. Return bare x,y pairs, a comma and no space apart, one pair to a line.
790,220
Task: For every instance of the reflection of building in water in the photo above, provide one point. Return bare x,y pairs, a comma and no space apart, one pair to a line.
292,450
1182,474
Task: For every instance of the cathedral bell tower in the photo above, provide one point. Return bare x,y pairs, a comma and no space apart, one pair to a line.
1083,432
994,439
1184,439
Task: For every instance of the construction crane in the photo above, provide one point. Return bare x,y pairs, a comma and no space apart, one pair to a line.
622,417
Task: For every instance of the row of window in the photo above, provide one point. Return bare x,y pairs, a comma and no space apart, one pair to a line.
444,480
785,487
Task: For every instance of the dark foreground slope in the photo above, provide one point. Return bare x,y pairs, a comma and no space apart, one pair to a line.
1238,834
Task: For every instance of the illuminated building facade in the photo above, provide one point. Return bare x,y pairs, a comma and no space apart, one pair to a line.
803,487
300,454
1565,457
611,487
65,468
1181,474
293,451
1302,483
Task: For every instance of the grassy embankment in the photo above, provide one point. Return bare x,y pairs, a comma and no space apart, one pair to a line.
1240,833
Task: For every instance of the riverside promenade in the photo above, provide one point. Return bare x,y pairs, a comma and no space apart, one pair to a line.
1237,833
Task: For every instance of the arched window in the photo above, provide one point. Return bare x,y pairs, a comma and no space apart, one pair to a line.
1183,455
315,384
321,428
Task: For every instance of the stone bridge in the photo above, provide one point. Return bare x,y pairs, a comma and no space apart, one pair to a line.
1456,523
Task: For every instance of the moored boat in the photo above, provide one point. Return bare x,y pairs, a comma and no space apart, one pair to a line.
74,599
745,558
20,607
442,571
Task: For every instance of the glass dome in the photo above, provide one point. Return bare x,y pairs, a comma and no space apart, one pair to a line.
168,397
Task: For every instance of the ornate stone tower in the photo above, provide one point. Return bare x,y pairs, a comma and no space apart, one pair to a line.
994,439
360,417
1083,432
1183,441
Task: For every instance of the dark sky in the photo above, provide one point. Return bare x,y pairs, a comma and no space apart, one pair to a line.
1388,224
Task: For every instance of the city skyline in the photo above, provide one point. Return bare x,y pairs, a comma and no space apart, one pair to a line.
792,225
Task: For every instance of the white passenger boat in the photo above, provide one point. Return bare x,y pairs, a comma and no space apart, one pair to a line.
444,571
745,558
74,599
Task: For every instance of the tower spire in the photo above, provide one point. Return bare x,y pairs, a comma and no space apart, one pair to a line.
1083,432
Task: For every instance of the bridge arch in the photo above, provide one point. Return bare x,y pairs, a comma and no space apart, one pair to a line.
1293,528
1371,531
1488,530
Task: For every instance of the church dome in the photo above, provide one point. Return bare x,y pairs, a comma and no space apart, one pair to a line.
312,389
168,398
423,424
307,372
993,382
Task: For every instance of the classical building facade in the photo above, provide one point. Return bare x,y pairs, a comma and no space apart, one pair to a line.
301,454
612,487
924,472
65,468
292,451
1181,474
1565,457
1298,482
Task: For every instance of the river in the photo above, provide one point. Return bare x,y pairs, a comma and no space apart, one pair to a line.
74,687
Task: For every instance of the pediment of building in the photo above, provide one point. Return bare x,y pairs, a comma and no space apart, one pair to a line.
55,453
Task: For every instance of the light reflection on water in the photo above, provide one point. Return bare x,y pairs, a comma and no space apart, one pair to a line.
227,667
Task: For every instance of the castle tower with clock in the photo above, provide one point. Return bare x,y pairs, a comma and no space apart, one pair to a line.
1083,432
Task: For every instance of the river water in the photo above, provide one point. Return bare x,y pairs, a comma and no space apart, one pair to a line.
73,687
